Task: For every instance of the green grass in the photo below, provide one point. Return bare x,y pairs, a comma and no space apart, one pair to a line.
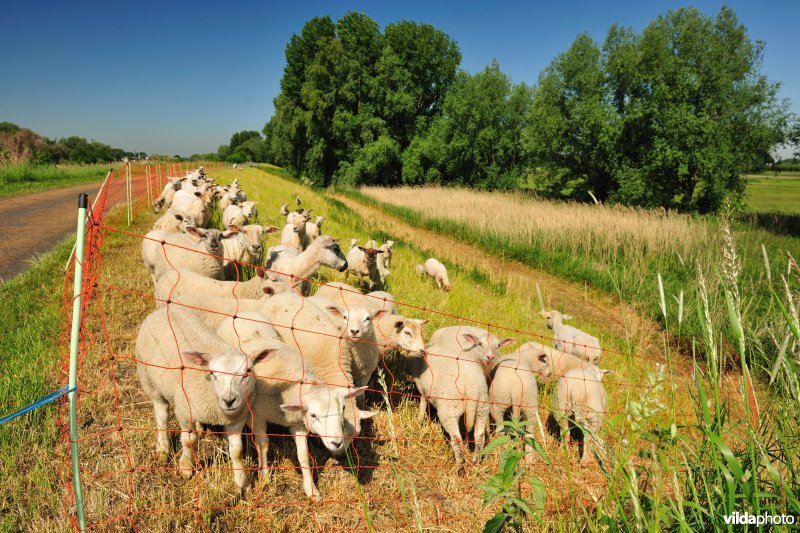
31,320
774,195
31,178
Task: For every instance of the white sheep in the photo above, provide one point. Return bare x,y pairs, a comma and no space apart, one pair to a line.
239,215
245,248
387,253
292,265
167,194
284,210
348,296
571,339
560,362
197,250
363,262
513,386
581,397
244,327
174,222
205,381
173,284
196,204
313,229
435,269
294,234
451,375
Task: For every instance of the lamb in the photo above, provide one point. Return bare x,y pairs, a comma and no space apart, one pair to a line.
514,387
363,262
294,234
451,374
175,358
239,215
196,204
313,229
560,362
348,296
323,251
245,248
167,194
197,250
435,269
173,284
571,339
284,210
174,222
581,397
300,213
387,253
286,395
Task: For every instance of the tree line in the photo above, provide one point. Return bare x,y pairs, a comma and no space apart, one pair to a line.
669,117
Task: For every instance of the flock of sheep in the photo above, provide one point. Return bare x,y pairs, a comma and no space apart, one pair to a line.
236,353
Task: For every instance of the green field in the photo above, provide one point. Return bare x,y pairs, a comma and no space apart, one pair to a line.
773,195
31,178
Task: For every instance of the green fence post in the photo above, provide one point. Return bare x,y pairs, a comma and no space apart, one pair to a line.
83,202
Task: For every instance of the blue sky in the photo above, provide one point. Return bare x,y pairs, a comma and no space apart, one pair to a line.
181,77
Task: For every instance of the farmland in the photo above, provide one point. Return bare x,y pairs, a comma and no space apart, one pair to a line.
770,194
20,179
404,474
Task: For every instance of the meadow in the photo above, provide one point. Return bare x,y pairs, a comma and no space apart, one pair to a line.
771,194
21,179
676,429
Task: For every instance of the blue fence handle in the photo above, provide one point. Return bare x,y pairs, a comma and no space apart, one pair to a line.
55,395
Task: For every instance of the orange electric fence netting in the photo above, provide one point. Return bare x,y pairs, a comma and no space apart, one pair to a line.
397,473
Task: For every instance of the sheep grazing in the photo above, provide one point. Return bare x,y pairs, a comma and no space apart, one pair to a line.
323,251
363,263
513,386
173,284
571,339
294,234
313,229
197,250
451,374
580,397
348,296
435,269
304,408
239,215
245,248
173,222
420,269
202,378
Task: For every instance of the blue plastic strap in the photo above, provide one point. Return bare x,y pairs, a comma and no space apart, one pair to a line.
55,395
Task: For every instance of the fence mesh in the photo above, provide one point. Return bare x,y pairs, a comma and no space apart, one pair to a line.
398,472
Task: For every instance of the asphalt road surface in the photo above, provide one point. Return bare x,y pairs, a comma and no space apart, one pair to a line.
31,224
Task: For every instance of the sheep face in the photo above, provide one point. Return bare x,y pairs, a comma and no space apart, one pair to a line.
484,347
409,335
324,410
330,253
249,210
544,365
231,375
356,321
554,317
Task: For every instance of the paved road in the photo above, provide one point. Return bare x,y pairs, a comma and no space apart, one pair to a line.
51,215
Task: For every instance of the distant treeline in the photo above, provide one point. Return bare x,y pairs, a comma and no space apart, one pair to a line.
670,117
23,146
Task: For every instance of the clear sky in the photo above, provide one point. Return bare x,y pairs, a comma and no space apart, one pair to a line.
179,77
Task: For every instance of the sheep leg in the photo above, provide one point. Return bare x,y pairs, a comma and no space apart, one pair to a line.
481,422
236,451
450,426
301,442
423,408
262,443
498,414
189,442
161,409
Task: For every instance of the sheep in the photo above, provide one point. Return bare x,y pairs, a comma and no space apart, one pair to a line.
513,386
294,234
239,215
348,296
284,210
245,248
246,326
560,362
353,244
313,229
387,253
205,381
435,269
420,269
297,200
174,222
453,376
196,204
167,194
300,213
173,284
286,395
571,339
363,262
323,251
581,397
197,250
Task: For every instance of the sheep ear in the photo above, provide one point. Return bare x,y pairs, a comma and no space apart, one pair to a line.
423,322
229,234
470,339
231,227
399,325
263,355
261,273
354,392
271,229
365,415
291,408
198,194
197,358
605,371
544,314
566,317
507,342
379,313
269,290
197,232
362,248
179,217
335,311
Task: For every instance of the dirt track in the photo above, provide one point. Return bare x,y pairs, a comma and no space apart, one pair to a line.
51,214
